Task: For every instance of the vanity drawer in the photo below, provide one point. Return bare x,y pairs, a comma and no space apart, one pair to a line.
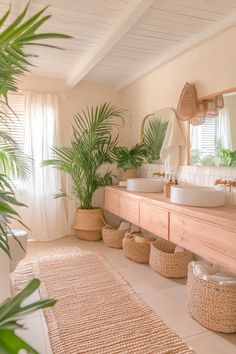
208,241
112,202
129,210
154,219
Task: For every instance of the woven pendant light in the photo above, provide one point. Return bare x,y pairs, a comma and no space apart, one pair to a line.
187,105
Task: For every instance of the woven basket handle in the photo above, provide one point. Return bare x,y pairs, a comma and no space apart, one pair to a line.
104,221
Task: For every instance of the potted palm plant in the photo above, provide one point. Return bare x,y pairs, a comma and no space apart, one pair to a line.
130,160
92,145
13,163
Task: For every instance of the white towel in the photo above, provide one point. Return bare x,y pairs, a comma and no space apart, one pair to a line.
219,278
124,225
134,228
212,272
178,249
173,141
139,239
228,282
202,268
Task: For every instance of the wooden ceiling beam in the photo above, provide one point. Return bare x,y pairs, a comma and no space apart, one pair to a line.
132,12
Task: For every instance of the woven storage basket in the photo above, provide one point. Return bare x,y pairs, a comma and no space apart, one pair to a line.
187,106
164,261
211,304
113,237
137,251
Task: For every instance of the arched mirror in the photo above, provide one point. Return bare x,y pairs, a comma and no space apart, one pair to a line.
164,139
153,130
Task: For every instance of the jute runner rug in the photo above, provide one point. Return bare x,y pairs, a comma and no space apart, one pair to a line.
97,311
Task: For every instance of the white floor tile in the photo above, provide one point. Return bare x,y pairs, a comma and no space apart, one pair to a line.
170,305
34,334
144,280
210,343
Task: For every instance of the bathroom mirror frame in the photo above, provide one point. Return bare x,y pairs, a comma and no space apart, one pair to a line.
202,98
145,121
152,114
186,158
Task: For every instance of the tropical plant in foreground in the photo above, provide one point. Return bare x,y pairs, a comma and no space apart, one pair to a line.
13,161
132,158
14,61
11,312
92,145
153,138
7,212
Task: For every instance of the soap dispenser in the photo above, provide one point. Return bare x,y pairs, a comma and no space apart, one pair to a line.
167,186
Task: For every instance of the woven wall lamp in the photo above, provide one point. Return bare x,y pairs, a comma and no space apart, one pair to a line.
189,108
187,105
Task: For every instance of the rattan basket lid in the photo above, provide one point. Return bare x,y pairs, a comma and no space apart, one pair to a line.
187,105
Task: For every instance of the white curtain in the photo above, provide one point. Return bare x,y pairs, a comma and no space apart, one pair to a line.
45,215
223,130
196,137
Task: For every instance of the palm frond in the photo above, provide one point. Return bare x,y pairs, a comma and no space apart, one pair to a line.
154,135
131,158
8,202
13,60
15,163
92,145
11,311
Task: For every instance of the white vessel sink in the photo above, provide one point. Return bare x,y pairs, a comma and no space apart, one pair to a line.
144,185
198,196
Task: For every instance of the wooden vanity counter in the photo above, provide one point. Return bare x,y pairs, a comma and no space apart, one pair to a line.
208,232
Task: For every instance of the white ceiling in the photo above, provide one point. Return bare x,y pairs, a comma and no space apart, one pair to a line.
118,41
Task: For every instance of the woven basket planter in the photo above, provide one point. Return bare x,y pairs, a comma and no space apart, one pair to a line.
89,223
137,251
164,261
113,237
211,304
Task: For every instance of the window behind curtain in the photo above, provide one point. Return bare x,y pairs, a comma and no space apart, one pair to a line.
15,118
203,137
208,136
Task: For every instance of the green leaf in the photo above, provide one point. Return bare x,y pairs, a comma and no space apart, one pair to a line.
4,17
12,308
130,158
13,60
93,143
10,343
36,37
153,138
7,32
6,208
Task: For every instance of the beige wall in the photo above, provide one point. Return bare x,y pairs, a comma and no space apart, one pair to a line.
86,94
73,100
211,66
